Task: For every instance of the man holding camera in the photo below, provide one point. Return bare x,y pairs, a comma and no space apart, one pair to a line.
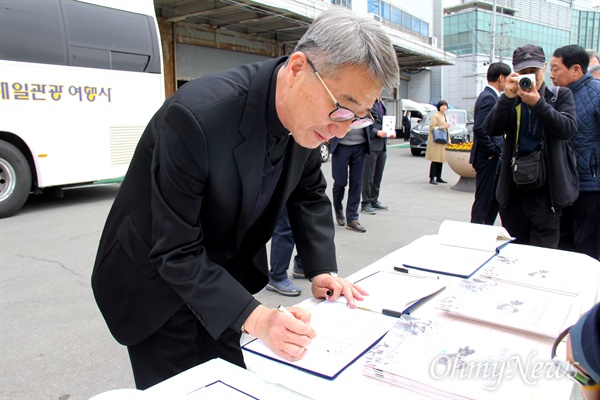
534,183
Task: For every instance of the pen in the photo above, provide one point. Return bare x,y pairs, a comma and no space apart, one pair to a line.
384,311
412,272
285,311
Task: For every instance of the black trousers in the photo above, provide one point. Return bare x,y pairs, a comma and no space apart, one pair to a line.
435,170
580,225
485,207
180,344
529,218
372,176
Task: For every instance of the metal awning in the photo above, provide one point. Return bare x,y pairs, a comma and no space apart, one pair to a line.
266,19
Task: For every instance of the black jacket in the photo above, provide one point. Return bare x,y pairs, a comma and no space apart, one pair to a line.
484,145
558,124
178,230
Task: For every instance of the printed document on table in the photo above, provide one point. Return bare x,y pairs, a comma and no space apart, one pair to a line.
534,272
343,335
517,307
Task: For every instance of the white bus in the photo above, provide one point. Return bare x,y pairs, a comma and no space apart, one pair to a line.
79,81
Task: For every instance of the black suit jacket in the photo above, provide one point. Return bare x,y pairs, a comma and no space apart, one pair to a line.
376,143
484,145
178,230
406,124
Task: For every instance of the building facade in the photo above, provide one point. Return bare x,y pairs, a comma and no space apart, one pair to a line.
481,32
200,37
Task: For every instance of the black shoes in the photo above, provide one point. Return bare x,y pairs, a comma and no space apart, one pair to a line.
378,206
440,180
367,210
356,226
433,182
341,220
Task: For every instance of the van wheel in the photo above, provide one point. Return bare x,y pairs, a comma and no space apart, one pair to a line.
15,179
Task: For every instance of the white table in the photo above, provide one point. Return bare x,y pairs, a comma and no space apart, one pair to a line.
351,383
274,380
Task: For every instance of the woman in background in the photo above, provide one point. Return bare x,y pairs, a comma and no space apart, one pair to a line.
436,151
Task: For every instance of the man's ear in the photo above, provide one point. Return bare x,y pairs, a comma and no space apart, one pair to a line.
296,63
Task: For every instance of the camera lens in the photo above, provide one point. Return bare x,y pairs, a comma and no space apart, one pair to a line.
525,83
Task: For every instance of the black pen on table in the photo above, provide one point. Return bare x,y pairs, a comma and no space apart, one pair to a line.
412,272
385,311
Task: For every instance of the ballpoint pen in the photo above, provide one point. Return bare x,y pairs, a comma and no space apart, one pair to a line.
412,272
284,310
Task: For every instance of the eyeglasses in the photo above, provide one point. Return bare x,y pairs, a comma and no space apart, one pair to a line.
342,114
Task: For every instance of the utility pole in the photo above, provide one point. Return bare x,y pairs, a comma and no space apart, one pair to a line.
493,53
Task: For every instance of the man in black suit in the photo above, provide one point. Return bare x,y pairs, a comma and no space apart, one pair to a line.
487,150
374,162
183,248
406,125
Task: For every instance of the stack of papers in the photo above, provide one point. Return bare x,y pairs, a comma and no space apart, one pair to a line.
459,249
452,359
527,309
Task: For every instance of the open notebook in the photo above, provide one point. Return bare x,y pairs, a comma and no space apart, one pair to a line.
459,249
394,293
344,334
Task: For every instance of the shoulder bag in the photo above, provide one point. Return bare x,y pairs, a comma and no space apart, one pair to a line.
440,136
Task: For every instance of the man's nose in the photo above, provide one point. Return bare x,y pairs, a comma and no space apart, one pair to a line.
340,129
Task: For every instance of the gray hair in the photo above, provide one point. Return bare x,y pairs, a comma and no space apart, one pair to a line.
595,70
592,53
339,38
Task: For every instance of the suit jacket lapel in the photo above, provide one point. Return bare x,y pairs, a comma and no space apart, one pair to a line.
250,154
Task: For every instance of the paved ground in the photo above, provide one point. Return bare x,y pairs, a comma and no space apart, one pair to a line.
54,343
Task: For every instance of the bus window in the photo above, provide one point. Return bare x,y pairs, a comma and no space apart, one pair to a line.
32,31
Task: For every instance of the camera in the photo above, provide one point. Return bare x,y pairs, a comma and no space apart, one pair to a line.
527,81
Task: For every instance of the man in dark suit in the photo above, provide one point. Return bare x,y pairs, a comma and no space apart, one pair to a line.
347,167
183,248
487,150
374,162
406,125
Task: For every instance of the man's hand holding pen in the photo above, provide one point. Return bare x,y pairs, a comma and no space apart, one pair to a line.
287,333
331,287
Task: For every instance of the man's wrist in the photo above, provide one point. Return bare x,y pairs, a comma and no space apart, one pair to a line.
332,273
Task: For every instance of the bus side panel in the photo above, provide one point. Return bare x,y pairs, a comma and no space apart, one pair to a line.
81,124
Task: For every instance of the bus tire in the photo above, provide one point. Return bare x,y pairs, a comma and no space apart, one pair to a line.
15,179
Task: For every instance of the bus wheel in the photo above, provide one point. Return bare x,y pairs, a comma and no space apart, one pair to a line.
15,179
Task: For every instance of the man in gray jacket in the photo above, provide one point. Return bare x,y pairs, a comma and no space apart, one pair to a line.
580,230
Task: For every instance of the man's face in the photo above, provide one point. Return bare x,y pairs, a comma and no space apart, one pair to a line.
539,75
561,75
307,106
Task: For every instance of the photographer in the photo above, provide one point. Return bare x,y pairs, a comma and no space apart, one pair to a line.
535,183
